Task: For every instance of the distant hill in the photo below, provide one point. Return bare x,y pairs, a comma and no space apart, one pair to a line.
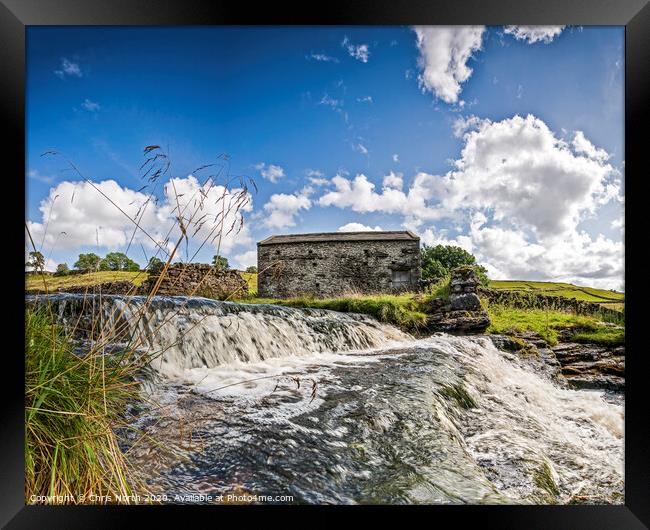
611,299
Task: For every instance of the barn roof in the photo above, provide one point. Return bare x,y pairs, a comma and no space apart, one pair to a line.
404,235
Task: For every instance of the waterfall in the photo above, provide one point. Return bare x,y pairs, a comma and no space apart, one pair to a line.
340,408
189,333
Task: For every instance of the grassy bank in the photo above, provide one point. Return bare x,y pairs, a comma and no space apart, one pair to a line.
404,311
36,281
72,405
548,324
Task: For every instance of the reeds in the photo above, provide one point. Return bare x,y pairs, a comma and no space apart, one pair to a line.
76,399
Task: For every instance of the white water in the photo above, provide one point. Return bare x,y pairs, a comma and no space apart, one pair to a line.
376,388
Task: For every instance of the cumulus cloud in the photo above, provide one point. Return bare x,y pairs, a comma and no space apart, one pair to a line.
68,68
519,170
522,192
90,106
246,259
282,208
270,172
76,214
393,180
533,34
360,52
395,157
444,53
358,227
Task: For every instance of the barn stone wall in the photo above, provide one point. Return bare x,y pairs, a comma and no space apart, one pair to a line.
331,268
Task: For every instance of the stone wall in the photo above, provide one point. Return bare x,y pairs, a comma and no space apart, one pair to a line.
331,268
462,312
198,279
524,300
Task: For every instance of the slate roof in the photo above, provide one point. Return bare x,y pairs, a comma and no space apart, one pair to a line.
404,235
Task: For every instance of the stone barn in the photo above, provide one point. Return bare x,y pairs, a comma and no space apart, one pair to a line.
331,264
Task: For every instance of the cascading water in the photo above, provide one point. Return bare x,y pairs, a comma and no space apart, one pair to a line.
336,408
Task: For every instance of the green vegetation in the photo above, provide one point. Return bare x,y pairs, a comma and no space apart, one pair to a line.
438,261
459,394
404,310
36,261
567,290
72,406
547,324
88,262
220,263
40,282
62,269
251,279
252,269
543,478
118,261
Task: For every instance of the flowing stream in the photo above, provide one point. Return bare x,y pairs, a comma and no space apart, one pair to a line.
324,407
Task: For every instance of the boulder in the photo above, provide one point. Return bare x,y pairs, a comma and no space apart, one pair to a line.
465,302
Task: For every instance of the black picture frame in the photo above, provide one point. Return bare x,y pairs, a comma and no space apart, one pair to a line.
16,15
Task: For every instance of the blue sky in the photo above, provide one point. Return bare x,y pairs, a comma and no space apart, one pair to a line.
318,115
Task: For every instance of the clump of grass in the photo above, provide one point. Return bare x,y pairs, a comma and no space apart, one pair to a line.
72,405
440,289
459,394
403,310
543,478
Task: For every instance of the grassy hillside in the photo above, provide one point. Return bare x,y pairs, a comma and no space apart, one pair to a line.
35,281
612,299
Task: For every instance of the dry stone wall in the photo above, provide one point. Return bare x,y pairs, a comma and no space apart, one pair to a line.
182,279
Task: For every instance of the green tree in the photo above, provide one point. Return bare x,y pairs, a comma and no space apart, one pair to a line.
36,261
88,262
438,261
118,261
155,264
252,269
220,263
62,269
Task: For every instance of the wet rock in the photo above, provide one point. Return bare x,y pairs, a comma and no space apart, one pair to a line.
592,366
465,302
459,322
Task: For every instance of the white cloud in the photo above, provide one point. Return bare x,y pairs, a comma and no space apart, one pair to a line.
270,172
34,174
533,34
358,227
360,52
582,145
361,148
522,191
365,99
282,208
90,106
246,259
321,57
395,157
68,68
444,53
331,102
393,180
75,214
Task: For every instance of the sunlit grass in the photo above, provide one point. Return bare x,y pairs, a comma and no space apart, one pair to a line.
38,281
